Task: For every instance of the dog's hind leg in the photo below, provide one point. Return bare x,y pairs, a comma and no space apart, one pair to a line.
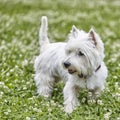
44,84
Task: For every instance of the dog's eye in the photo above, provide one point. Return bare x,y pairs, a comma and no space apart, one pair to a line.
80,53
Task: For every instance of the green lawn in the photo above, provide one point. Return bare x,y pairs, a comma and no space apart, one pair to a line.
19,25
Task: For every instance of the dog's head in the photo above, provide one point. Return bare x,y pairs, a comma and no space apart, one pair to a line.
84,52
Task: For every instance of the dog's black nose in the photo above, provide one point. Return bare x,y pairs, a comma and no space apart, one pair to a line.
67,64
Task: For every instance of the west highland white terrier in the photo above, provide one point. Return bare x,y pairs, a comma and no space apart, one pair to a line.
79,62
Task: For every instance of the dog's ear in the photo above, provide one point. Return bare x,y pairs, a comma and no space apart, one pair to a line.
92,35
74,31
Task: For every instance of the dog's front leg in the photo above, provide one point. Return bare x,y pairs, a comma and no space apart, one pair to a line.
70,97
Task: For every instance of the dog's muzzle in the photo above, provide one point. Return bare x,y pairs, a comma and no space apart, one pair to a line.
71,71
67,65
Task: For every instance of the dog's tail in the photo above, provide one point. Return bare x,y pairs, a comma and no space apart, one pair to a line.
43,37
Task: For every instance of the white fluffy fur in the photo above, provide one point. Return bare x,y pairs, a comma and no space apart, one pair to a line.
82,72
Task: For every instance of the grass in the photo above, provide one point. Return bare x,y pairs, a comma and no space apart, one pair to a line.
19,25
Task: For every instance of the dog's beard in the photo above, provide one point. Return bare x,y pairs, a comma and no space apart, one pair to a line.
80,74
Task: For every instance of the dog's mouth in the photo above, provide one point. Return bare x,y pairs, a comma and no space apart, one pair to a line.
82,76
71,71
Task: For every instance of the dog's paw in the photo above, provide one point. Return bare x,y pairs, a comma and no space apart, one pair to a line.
44,93
70,107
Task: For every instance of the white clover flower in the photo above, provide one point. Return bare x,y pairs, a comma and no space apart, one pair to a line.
12,70
118,118
52,102
99,102
107,89
47,104
3,42
25,63
9,110
35,109
39,110
25,88
7,74
90,94
4,58
107,115
5,101
16,75
28,83
28,118
119,88
6,113
83,100
16,67
60,106
35,104
49,109
56,89
91,101
116,84
5,87
1,94
115,77
20,55
2,83
119,64
117,94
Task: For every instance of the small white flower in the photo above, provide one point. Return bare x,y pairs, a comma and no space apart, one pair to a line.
90,94
99,102
116,85
39,110
12,70
28,83
115,77
35,109
107,116
83,100
8,74
20,55
24,88
28,118
118,118
16,66
119,65
1,83
52,102
6,113
49,109
25,63
117,94
91,101
9,110
60,106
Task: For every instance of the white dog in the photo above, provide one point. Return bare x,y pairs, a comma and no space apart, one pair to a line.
79,62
